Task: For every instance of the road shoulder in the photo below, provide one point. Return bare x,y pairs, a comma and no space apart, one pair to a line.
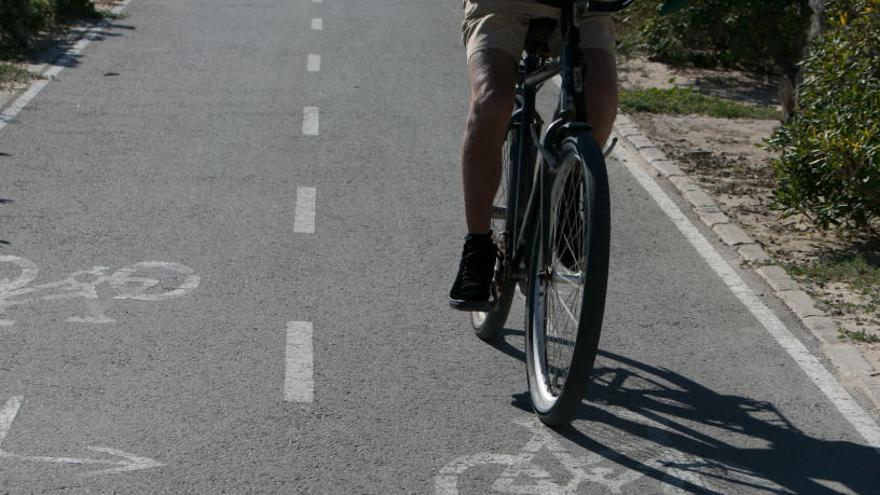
853,370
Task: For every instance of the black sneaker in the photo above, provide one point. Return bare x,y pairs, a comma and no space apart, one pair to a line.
471,290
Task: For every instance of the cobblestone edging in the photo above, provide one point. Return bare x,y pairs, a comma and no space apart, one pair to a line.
854,371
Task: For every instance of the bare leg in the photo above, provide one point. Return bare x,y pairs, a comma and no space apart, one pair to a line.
600,88
492,79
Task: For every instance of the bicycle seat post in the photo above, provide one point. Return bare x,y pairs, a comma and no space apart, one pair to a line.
538,36
571,101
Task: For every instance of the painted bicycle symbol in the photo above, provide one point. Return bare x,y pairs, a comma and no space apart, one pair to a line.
522,474
142,281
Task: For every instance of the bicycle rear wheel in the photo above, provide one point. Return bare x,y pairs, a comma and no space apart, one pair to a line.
487,324
568,276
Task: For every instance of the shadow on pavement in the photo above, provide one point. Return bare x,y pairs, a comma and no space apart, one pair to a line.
54,51
727,440
5,201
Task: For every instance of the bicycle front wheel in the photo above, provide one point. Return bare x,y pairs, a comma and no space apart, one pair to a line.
568,276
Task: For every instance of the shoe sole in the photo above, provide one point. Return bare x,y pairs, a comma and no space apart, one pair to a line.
463,305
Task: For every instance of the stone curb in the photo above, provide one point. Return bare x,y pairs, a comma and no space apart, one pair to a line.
6,98
53,54
853,370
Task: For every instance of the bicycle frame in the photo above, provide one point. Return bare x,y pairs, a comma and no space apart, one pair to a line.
570,116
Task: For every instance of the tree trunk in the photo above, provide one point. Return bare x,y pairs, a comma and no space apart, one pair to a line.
790,81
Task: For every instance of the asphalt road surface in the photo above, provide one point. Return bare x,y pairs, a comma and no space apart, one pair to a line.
228,232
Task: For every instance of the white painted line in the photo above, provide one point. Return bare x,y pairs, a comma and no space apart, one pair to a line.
130,462
310,121
314,63
824,380
7,415
317,1
304,214
127,278
299,384
21,102
317,24
57,66
28,273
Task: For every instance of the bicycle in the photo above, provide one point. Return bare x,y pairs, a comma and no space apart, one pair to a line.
552,221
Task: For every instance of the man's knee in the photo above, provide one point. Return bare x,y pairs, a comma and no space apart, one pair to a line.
491,103
492,77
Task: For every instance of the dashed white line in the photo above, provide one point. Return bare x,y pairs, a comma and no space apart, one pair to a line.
7,415
314,63
304,215
299,384
317,24
825,381
310,121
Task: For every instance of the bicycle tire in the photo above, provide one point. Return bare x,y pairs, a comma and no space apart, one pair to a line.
558,364
487,324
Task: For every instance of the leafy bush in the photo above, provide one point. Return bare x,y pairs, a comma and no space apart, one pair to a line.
829,164
629,23
20,19
75,8
765,35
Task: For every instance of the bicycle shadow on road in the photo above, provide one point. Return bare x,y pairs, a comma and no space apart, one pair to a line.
5,201
730,442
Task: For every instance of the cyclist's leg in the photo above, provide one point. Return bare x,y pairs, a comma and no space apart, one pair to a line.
600,80
493,37
493,34
492,76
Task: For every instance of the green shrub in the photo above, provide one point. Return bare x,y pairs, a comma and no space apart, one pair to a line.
21,19
629,23
829,163
75,8
764,35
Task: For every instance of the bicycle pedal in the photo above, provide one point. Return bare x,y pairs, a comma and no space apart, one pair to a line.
610,148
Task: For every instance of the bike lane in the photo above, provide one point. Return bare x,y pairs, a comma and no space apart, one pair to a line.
691,394
151,260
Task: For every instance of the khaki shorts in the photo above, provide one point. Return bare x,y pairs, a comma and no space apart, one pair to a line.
502,24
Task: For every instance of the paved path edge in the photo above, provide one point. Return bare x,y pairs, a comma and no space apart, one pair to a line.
54,53
852,369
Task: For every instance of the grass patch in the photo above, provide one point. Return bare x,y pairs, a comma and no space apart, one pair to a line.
855,269
13,75
862,273
686,100
860,336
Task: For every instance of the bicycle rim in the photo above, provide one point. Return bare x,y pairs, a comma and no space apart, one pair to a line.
568,276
